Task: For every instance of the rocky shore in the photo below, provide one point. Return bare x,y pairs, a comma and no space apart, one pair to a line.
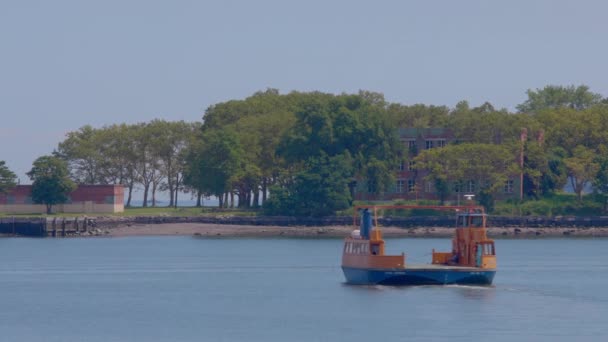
118,227
337,227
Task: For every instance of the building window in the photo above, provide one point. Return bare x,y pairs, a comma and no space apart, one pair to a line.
402,165
10,199
400,185
509,186
428,187
432,143
471,186
457,187
411,185
411,165
411,147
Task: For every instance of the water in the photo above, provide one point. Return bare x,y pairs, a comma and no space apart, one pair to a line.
187,289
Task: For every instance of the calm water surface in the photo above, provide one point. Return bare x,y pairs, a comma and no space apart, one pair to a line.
187,289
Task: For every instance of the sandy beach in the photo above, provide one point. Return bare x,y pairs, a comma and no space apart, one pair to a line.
206,230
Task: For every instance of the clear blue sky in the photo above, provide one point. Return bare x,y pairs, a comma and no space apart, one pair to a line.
65,64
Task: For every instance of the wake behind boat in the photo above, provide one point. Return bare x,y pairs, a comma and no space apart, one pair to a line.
472,260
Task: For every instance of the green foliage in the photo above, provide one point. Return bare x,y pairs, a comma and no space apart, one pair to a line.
51,182
219,161
544,170
582,168
319,189
551,205
486,199
600,182
352,134
8,179
418,116
280,203
490,166
244,147
82,150
552,97
442,187
484,124
536,208
150,154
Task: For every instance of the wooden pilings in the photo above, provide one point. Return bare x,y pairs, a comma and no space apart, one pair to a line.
62,227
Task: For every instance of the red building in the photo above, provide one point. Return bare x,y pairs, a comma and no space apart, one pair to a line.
85,199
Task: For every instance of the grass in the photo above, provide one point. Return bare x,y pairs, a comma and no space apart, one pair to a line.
561,204
152,211
186,211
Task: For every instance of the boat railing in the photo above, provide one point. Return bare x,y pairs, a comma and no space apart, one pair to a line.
457,208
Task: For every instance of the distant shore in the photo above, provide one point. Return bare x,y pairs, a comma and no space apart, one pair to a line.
209,230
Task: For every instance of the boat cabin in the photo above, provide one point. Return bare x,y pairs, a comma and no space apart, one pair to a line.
470,245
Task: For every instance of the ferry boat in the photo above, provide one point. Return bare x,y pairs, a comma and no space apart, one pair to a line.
472,260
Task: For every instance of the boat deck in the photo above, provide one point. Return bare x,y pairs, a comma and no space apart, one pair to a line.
435,267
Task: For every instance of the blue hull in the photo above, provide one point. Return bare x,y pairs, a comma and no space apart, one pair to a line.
418,276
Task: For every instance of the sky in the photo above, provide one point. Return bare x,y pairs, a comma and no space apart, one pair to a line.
66,64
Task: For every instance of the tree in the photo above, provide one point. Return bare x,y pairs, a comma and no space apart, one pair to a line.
551,96
51,182
582,169
260,120
169,140
81,149
544,170
8,179
418,116
146,163
120,157
488,166
337,130
215,163
319,189
600,183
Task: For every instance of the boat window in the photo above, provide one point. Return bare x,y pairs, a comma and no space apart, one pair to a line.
488,248
477,221
461,221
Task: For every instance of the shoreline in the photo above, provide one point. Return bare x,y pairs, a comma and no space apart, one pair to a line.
210,230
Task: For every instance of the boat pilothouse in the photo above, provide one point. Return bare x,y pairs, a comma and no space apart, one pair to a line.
471,261
470,245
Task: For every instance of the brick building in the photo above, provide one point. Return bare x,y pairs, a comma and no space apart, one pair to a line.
85,199
411,183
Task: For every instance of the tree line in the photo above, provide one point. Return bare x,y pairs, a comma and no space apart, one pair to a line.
305,153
